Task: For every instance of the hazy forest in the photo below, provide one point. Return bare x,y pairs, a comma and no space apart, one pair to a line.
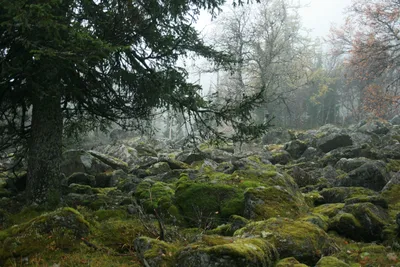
133,135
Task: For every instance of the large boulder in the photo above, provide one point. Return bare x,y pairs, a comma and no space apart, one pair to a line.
81,161
295,148
340,194
60,229
331,261
375,126
333,140
190,157
81,178
276,136
361,222
273,201
115,163
395,120
155,195
372,175
120,151
206,204
348,165
154,253
228,252
299,239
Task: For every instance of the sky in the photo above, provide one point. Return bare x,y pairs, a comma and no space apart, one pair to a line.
317,18
320,14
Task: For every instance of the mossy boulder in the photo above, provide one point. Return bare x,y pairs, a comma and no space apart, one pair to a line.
114,230
273,201
333,140
331,261
61,229
115,163
340,194
347,165
289,262
154,252
280,157
80,189
302,177
228,252
174,164
322,221
302,240
372,175
103,179
206,204
313,198
155,195
376,200
190,157
158,168
295,148
361,222
81,161
81,178
329,210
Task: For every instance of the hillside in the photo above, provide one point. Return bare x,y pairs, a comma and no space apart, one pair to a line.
323,197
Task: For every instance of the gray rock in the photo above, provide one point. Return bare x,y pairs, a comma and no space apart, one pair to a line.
372,175
81,178
375,126
295,148
220,155
348,165
310,153
190,157
332,141
153,252
361,222
395,120
81,161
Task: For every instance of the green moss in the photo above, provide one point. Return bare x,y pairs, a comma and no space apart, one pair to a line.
319,220
25,215
330,261
60,229
312,198
203,203
374,249
302,240
347,224
252,250
393,165
156,252
103,215
289,262
329,210
118,234
154,196
274,201
220,251
80,189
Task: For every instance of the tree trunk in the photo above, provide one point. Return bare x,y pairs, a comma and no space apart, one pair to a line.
45,151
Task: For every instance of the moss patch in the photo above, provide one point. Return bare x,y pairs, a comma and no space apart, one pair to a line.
302,240
61,229
205,204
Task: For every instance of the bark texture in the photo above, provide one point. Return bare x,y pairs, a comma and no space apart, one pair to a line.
45,151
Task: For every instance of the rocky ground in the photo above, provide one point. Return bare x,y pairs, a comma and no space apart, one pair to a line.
325,197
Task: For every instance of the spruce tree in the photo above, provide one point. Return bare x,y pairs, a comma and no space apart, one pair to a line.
70,65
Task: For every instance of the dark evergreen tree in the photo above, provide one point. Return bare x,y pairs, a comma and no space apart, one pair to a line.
71,65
